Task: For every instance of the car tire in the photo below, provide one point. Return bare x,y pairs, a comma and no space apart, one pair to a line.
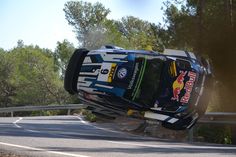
73,69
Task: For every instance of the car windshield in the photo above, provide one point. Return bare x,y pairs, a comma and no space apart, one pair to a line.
148,87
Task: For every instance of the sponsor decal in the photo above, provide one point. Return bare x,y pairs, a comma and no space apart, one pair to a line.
106,72
173,71
131,83
112,72
136,91
188,87
179,85
122,73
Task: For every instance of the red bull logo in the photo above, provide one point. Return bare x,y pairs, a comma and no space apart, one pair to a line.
178,85
188,87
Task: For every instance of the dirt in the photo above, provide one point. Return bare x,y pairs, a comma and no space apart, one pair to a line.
138,126
5,154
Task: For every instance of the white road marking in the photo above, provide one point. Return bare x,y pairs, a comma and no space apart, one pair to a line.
29,130
15,122
158,146
86,123
18,126
82,121
19,119
173,146
42,150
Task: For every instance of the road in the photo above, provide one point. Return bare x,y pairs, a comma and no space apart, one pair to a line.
70,136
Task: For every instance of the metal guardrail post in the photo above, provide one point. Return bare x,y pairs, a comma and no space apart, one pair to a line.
41,113
190,135
12,114
68,112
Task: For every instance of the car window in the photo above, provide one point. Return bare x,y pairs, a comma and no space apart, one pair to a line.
150,82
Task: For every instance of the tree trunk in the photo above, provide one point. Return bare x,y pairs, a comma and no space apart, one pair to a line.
200,10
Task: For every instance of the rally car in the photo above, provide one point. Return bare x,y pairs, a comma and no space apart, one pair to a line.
170,87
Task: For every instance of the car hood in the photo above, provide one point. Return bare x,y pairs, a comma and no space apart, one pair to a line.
179,81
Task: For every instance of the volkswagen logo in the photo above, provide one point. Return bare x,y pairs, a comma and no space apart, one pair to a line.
122,73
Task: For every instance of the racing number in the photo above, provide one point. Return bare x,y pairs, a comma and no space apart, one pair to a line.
104,71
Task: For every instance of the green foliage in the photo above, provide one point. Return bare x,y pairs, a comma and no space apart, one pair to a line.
89,116
31,76
215,134
140,34
7,88
94,29
85,17
113,35
62,54
28,77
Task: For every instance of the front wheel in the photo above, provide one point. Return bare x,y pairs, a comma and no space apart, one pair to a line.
73,69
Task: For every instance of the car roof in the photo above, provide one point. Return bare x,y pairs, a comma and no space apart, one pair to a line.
122,51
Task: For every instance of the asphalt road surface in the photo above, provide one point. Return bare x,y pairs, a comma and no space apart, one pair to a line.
70,136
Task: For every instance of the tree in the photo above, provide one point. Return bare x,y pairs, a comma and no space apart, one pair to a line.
34,78
180,28
93,29
20,43
85,17
136,31
139,34
112,35
7,89
207,27
62,54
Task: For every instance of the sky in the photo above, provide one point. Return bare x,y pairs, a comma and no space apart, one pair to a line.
43,23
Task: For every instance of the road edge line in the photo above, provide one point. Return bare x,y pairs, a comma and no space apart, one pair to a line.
42,150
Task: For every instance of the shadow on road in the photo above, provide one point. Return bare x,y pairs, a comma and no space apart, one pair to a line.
144,150
72,129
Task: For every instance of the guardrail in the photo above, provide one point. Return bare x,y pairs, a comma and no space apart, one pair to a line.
68,107
221,118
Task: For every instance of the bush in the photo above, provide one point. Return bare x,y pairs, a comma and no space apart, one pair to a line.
215,134
89,116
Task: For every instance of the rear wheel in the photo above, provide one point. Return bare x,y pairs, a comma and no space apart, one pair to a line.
73,69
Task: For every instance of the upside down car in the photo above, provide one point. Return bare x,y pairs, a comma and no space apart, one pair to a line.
170,87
